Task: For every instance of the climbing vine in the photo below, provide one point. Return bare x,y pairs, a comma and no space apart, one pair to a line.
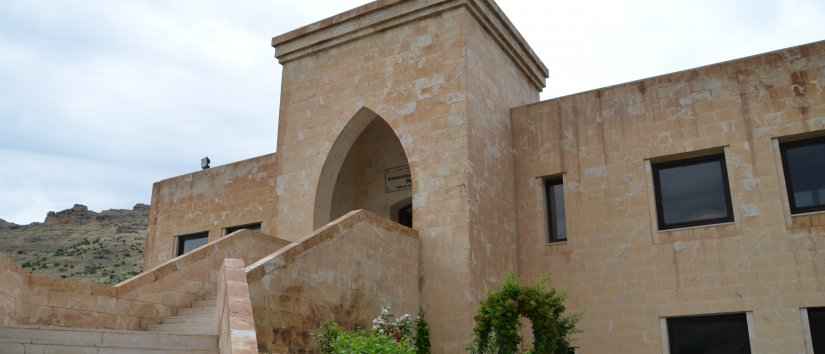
498,320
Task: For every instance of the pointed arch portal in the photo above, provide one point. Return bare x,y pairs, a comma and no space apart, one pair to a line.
366,168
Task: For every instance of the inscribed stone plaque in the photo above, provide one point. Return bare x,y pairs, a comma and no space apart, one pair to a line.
397,179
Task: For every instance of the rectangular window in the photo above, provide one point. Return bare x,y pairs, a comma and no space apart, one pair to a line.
804,164
709,334
692,192
816,320
254,227
554,196
187,243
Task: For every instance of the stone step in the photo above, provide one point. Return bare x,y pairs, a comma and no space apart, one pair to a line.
205,303
196,310
14,340
190,320
198,319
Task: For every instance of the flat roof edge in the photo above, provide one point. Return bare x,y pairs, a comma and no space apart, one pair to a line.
384,14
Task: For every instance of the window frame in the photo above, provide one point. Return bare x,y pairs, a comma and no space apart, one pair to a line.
550,210
656,167
181,239
254,226
783,147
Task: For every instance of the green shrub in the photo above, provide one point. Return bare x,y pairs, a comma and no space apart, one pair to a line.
326,336
370,343
498,320
422,335
389,335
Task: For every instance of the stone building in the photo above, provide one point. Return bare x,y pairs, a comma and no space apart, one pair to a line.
416,167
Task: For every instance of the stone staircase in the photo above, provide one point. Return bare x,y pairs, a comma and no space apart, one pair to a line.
200,319
192,331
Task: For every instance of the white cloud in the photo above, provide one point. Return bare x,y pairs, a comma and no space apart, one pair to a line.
102,98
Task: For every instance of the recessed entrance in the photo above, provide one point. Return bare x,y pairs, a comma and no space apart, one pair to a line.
367,168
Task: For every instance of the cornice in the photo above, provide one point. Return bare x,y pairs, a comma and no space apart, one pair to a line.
381,15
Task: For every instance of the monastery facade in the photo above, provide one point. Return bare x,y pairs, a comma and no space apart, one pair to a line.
416,167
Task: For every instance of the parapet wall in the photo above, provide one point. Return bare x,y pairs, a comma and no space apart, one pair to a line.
346,271
36,300
211,200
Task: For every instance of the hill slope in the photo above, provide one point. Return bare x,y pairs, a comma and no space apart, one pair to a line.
78,243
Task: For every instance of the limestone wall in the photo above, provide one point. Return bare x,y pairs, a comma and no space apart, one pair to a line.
494,86
346,271
211,200
623,274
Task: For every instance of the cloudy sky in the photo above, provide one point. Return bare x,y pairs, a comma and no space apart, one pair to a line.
98,99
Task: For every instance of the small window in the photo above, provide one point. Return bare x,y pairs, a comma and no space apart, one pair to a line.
804,164
709,334
254,227
554,197
816,320
187,243
692,192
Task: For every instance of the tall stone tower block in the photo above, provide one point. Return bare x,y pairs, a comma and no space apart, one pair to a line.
424,86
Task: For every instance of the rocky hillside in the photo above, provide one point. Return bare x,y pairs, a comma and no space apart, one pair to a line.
106,247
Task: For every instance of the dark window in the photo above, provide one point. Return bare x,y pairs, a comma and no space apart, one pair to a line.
254,227
724,334
187,243
692,192
405,216
804,163
816,318
554,197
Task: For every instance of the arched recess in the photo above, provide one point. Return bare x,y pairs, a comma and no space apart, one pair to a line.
366,168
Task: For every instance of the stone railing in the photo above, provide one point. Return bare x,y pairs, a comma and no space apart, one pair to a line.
346,271
180,281
30,299
236,327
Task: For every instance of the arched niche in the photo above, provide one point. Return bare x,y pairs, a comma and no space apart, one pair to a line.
366,168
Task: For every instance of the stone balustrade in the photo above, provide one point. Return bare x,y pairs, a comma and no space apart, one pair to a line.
236,326
345,271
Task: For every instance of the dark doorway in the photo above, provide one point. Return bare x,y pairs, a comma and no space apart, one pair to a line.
405,216
722,334
816,318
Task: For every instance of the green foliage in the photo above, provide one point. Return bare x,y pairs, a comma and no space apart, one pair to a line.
332,339
326,337
497,322
370,343
422,335
389,335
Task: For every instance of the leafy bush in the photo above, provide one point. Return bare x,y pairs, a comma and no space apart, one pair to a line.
422,335
370,343
498,326
389,335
